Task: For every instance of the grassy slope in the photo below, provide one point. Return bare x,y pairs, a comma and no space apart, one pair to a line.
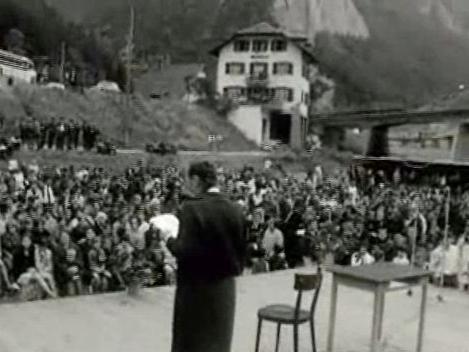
171,121
331,161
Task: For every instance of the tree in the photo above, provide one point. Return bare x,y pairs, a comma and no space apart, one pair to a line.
15,41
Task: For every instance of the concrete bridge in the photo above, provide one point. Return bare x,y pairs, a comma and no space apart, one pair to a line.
380,121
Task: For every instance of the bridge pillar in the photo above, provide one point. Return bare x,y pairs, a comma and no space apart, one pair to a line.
460,149
333,137
378,144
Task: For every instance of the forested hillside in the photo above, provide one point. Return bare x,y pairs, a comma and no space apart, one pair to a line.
402,52
33,28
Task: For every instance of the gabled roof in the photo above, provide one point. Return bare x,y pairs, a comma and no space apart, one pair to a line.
267,29
261,28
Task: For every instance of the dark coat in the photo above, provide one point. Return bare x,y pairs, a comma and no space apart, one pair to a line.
210,253
23,259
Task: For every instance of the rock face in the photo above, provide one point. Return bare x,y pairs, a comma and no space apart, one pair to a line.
442,13
314,16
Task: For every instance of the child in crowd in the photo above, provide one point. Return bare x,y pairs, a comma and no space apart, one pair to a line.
100,276
74,273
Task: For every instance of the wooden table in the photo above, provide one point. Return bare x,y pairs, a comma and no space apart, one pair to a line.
378,278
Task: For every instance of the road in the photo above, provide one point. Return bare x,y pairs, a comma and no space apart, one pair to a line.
252,153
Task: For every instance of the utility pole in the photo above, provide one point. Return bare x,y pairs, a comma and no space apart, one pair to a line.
128,88
308,19
62,62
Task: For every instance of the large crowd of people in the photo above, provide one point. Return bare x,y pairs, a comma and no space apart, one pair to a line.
79,230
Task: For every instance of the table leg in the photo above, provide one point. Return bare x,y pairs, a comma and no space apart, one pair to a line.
423,307
332,315
378,315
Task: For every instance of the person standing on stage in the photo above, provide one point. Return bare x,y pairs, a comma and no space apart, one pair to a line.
209,250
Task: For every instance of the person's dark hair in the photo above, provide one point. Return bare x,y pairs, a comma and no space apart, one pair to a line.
206,172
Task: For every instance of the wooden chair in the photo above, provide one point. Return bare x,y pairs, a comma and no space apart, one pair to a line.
289,315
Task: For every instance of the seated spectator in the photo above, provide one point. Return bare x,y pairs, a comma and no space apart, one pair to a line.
100,275
44,263
362,257
401,258
259,261
5,278
277,260
31,283
74,270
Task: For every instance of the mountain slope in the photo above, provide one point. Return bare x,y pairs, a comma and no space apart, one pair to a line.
409,57
340,17
396,52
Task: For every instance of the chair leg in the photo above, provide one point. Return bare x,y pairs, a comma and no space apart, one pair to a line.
258,338
313,336
277,343
295,338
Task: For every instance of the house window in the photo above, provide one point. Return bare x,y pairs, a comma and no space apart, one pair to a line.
279,45
241,45
259,69
283,68
260,95
235,93
260,45
235,68
283,94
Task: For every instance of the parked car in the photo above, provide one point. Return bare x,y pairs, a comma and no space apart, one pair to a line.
106,148
8,147
161,148
55,85
106,86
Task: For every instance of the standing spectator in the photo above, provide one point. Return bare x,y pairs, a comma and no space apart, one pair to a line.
292,225
51,133
463,245
48,196
36,133
93,136
86,136
60,134
42,135
74,130
272,237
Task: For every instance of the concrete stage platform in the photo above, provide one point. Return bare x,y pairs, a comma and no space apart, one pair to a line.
116,323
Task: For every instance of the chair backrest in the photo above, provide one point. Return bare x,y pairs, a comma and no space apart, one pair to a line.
308,282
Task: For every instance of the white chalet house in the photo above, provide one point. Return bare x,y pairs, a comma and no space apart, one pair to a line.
266,71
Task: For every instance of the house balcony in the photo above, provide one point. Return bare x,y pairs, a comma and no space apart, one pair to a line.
259,80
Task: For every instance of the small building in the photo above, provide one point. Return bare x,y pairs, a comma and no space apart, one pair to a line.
266,72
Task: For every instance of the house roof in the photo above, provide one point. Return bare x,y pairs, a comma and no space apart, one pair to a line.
266,29
261,28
